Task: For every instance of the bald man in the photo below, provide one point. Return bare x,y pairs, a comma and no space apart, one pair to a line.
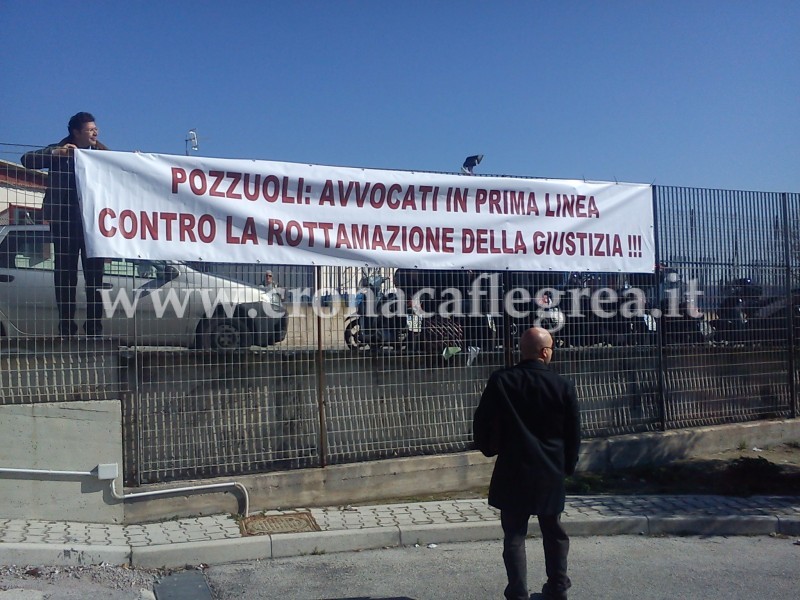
528,416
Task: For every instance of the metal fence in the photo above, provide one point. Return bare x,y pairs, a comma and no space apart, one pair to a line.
211,388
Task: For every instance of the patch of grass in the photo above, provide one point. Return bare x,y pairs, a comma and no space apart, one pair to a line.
591,483
747,467
743,476
719,473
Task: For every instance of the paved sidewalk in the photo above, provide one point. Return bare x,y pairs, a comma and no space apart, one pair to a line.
219,539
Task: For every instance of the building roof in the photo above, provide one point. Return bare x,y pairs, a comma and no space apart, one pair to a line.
18,176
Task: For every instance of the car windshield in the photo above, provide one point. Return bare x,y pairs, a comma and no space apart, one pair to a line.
33,249
26,250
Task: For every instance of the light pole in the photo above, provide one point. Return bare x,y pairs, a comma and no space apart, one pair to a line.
470,163
191,140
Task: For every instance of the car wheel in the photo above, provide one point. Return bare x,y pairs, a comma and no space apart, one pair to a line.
225,334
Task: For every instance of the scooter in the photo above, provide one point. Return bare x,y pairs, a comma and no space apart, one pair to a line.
471,326
739,298
747,314
379,322
539,312
682,319
592,317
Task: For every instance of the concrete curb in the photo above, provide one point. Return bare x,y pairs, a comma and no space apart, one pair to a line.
789,525
324,542
62,555
218,539
436,533
733,525
180,554
584,527
206,552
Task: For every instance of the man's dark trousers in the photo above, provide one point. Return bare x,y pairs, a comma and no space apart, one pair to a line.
556,549
68,242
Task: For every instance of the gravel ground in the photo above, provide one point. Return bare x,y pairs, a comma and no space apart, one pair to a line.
109,582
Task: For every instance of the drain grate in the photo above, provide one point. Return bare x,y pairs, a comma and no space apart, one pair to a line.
289,523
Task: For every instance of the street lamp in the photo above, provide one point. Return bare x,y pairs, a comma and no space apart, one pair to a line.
191,139
470,163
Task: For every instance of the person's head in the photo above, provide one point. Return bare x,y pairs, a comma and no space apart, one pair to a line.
267,277
536,344
83,130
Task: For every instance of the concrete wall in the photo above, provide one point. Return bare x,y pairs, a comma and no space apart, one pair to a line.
305,330
77,436
72,436
419,476
664,447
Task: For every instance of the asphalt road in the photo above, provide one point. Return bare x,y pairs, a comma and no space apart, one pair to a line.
600,567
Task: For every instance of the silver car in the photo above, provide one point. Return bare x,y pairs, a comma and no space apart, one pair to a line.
164,303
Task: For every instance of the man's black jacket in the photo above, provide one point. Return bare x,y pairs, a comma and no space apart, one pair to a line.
528,415
60,204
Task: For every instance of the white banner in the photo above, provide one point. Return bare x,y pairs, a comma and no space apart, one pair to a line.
157,206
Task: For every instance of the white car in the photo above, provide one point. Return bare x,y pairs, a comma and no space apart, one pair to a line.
162,303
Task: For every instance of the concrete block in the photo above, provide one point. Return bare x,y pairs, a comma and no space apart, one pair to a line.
209,552
593,456
663,447
64,436
336,484
605,526
789,525
326,542
445,533
62,555
645,449
706,525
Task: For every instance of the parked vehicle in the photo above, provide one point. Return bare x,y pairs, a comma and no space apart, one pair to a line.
567,304
750,313
682,318
164,303
536,306
379,321
560,302
395,320
456,303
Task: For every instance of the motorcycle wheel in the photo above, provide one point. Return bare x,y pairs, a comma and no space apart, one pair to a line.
705,331
352,336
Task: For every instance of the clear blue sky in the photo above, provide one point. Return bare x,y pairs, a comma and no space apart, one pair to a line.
680,92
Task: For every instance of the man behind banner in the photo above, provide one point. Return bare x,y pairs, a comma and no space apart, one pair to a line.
62,209
528,416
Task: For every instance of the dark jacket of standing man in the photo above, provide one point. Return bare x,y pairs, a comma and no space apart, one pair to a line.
528,416
61,208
